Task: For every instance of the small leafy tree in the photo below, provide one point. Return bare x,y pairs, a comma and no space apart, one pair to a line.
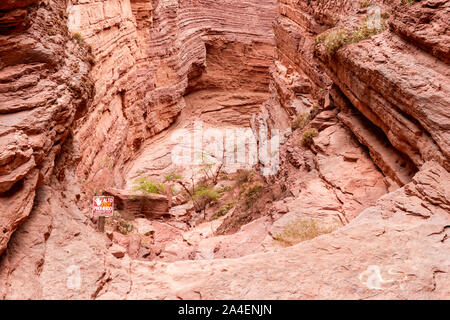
148,186
205,195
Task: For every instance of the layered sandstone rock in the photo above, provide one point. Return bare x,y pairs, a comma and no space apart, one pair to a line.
401,253
43,83
150,205
155,52
399,88
382,102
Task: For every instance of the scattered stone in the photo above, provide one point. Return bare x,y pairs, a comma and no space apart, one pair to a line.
117,251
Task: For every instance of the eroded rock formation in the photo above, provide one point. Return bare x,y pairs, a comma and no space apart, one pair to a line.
44,83
91,90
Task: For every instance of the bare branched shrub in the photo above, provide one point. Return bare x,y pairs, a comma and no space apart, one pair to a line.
308,136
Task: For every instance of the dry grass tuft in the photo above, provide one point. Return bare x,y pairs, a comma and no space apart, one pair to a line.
302,230
308,136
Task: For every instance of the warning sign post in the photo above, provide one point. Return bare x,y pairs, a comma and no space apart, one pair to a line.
102,207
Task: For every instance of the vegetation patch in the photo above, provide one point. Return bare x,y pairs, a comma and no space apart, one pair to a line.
302,230
334,39
173,176
77,36
244,176
408,2
118,223
308,137
223,190
125,227
205,195
365,3
251,193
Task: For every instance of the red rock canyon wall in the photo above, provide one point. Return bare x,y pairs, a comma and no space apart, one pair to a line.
84,84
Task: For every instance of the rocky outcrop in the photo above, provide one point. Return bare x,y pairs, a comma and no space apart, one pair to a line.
156,52
151,206
377,171
414,117
425,25
14,14
388,78
43,84
56,249
401,254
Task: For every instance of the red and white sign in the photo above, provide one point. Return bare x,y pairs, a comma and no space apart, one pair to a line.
103,206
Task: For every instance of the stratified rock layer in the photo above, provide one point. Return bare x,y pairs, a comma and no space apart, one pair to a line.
399,88
156,52
43,83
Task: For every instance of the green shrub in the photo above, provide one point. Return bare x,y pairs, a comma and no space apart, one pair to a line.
308,136
244,176
224,189
77,36
364,32
125,227
223,175
335,39
251,193
302,230
147,186
223,210
204,195
408,2
321,37
173,176
365,3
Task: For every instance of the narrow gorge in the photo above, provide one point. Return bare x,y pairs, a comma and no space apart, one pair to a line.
340,110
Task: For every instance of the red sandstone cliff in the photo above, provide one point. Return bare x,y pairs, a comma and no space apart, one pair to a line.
87,90
44,84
